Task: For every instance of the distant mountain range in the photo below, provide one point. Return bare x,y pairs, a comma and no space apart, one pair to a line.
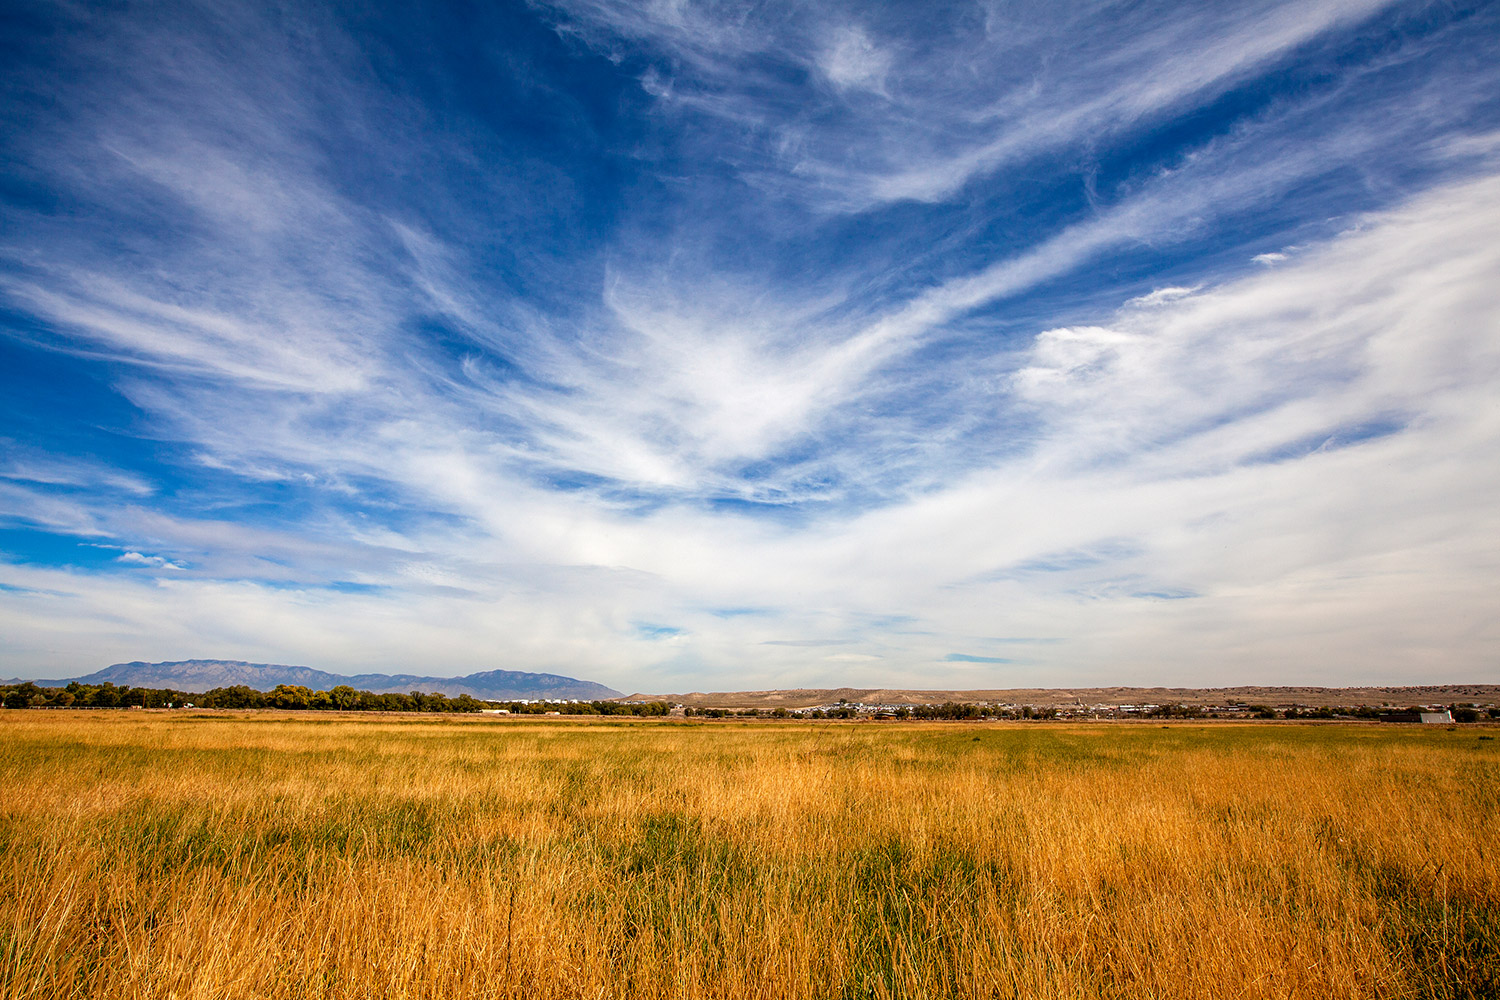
204,675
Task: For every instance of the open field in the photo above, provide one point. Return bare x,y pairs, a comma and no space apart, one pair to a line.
1484,694
282,855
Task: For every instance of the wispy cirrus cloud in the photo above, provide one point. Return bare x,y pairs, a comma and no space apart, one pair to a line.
1150,436
913,339
995,86
27,464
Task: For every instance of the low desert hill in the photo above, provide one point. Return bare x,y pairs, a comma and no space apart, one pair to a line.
1280,697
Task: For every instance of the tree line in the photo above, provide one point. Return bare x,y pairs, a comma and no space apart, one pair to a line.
341,698
289,696
636,708
344,698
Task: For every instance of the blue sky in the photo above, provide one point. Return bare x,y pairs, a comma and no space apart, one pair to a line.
709,345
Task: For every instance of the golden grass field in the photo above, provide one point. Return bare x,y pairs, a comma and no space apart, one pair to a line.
263,855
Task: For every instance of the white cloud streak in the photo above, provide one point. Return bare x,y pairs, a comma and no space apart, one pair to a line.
1288,475
957,111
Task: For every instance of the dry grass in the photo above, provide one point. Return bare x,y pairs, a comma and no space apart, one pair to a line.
280,856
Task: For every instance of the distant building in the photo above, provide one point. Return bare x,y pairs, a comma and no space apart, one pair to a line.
1431,718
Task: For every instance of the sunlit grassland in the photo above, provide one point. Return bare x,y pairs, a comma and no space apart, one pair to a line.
151,855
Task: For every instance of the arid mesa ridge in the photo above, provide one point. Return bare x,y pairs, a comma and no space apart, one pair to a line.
1278,697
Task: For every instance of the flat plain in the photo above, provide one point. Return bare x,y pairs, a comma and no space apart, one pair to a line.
282,855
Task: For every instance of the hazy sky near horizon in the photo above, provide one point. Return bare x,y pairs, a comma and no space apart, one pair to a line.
682,345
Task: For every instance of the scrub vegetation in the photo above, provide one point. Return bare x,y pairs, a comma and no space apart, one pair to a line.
278,855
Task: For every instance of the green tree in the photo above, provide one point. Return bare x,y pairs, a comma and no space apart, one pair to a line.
293,696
